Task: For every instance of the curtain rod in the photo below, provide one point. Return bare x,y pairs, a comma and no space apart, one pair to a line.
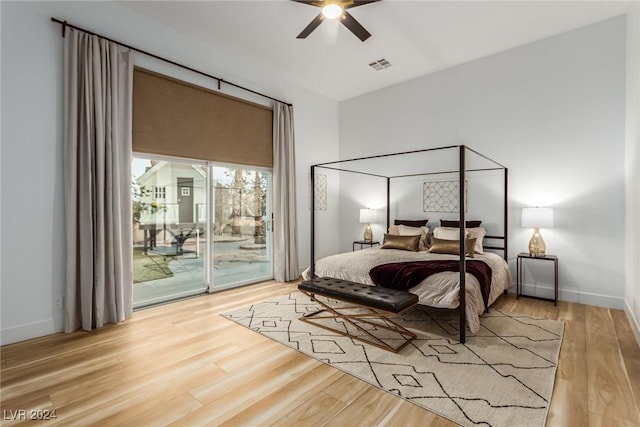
65,24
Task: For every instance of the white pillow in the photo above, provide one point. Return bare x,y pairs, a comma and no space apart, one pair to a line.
393,229
478,233
405,230
447,233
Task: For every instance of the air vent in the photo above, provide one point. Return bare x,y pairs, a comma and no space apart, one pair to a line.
380,64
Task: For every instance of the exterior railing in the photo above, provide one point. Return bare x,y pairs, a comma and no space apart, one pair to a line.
170,214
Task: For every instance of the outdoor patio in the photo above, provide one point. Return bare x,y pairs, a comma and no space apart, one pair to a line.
165,272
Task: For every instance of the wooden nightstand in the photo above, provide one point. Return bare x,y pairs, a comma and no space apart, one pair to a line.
520,274
363,243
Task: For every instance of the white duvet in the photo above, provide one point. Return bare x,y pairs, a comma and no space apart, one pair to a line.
438,290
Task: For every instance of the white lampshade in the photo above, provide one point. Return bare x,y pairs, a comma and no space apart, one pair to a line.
537,218
368,215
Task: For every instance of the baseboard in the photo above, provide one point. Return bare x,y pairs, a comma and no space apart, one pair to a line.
575,296
31,330
633,321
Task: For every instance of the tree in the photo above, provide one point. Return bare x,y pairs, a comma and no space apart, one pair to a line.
140,196
260,201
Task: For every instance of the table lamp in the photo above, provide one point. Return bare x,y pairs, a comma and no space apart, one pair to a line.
367,216
537,218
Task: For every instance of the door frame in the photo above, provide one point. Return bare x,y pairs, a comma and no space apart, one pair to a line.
211,287
208,285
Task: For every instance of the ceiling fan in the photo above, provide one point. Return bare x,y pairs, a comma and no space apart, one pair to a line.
334,9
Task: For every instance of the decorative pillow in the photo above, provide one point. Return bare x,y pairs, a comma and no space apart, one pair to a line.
442,246
411,222
478,233
405,243
394,229
447,233
423,232
456,224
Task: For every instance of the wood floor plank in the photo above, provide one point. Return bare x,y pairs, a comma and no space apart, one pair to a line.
572,311
630,351
607,377
164,413
347,388
311,412
285,399
211,391
572,364
598,322
184,364
230,403
129,399
54,375
569,405
410,415
368,409
599,420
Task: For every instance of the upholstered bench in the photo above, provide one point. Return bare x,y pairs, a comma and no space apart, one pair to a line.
367,302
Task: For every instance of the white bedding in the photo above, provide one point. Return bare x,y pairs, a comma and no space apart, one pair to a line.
438,290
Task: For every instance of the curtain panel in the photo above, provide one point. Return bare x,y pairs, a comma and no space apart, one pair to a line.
285,234
97,178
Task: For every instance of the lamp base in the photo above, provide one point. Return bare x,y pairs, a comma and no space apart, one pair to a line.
368,234
537,248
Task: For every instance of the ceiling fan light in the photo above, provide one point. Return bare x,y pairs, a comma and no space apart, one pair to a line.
332,11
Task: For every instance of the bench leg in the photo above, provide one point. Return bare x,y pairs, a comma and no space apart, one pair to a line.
313,313
388,324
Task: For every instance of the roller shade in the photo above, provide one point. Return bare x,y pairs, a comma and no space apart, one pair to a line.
175,118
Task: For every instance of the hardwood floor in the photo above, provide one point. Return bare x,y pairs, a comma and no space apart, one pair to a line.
182,364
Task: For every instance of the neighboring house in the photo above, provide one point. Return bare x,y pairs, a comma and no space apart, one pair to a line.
173,194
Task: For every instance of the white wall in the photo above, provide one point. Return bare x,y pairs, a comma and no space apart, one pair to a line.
553,112
632,157
33,247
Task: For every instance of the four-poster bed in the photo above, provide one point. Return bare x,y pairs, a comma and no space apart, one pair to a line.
443,285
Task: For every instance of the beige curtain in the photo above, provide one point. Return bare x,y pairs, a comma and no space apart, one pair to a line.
285,235
97,178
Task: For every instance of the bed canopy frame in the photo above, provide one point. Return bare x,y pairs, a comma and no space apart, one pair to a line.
367,166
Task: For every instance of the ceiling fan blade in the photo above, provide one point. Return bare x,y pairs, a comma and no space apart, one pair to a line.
357,3
355,27
311,2
312,26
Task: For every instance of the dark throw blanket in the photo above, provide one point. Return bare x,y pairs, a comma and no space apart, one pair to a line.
406,275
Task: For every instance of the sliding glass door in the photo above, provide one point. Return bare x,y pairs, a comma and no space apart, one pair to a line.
241,226
169,229
198,227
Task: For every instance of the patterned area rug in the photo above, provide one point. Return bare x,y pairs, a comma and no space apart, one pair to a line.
502,376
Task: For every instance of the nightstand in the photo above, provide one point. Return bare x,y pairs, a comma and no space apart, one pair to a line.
519,273
362,243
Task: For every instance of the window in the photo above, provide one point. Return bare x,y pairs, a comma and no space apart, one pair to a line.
160,193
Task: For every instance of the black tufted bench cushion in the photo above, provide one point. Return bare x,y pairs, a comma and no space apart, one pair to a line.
391,300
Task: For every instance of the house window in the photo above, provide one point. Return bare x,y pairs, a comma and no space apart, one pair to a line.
160,192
